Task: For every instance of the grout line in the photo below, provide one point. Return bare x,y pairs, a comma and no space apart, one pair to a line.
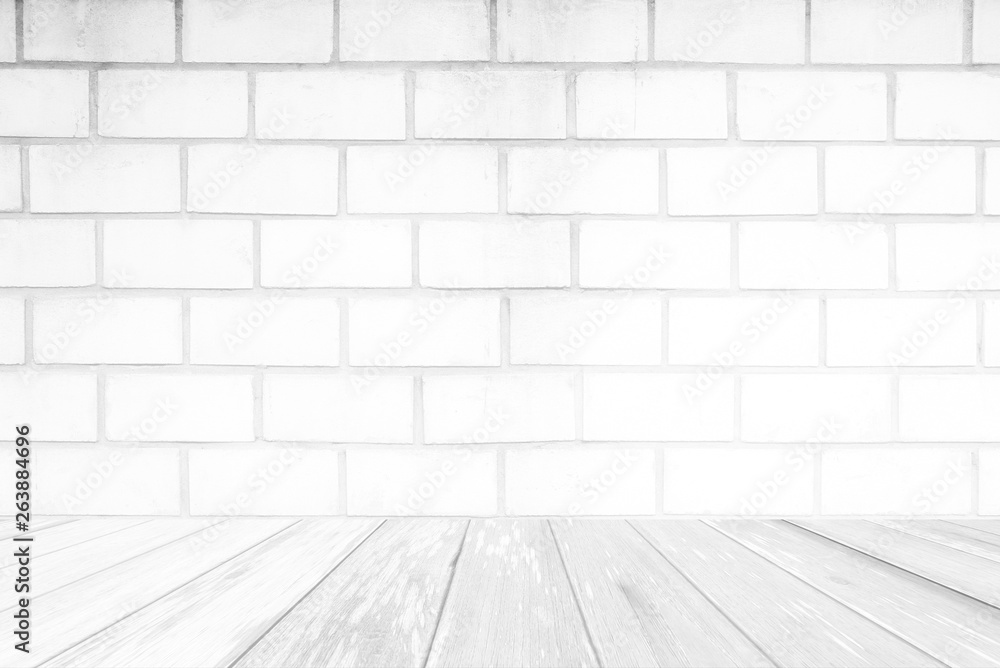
807,51
179,31
184,473
651,31
494,31
968,23
19,32
571,120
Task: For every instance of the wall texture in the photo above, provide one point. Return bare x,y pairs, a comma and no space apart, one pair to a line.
535,257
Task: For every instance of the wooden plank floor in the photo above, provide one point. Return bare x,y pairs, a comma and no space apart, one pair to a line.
507,593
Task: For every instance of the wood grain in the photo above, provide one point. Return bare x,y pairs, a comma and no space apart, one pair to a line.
951,535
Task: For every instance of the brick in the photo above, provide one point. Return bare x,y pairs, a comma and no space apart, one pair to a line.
657,407
991,182
273,329
895,31
654,254
178,253
932,105
948,256
943,408
161,103
359,408
495,254
332,254
985,27
490,105
748,483
256,178
821,106
529,30
426,482
262,31
901,332
743,331
333,105
731,31
573,482
741,181
106,481
190,407
44,103
263,481
589,179
807,255
428,30
989,471
910,482
900,179
991,335
47,253
651,104
427,178
570,329
442,329
8,39
134,178
10,177
59,406
498,409
11,330
105,329
815,408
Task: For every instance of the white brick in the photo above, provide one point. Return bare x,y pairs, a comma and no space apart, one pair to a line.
439,330
108,179
949,408
907,482
498,409
711,481
10,177
811,105
807,255
543,31
333,105
490,104
989,473
273,329
339,409
580,482
565,329
160,103
178,253
743,331
44,103
106,481
105,329
11,330
426,30
495,254
815,408
731,31
948,256
589,179
8,39
185,408
901,179
428,178
263,481
991,336
654,254
332,254
932,105
889,31
254,178
651,104
985,28
901,332
137,31
47,253
58,406
991,182
734,181
262,31
658,407
426,482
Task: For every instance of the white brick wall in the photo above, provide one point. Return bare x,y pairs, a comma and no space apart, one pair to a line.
455,257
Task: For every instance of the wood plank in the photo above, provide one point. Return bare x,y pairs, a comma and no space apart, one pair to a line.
216,617
986,526
790,621
953,628
66,535
378,608
639,609
510,602
950,535
69,614
963,572
38,525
